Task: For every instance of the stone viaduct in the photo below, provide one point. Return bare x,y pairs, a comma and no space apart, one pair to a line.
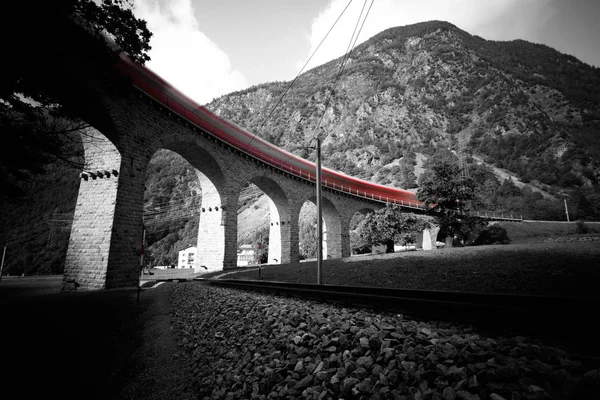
129,127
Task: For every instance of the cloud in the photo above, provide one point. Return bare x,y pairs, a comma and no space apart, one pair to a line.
496,20
183,55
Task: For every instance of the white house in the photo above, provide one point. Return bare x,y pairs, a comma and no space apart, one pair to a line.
245,254
187,257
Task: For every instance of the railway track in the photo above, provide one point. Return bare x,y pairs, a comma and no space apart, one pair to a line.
565,319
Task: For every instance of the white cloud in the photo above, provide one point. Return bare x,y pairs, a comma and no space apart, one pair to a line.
474,16
183,55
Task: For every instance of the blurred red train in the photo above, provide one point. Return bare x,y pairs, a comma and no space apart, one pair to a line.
160,90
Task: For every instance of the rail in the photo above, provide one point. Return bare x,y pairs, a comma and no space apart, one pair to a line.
528,314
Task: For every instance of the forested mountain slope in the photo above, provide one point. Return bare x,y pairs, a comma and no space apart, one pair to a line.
523,108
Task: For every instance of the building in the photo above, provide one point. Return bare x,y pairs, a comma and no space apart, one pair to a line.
245,255
187,257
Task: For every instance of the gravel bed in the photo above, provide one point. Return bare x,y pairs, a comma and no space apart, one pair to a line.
244,345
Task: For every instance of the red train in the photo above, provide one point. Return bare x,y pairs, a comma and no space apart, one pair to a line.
160,90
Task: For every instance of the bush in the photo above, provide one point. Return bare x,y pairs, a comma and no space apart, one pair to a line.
582,228
492,235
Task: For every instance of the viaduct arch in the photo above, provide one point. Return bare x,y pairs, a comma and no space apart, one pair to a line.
105,242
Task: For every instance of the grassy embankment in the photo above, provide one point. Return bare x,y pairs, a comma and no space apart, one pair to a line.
529,265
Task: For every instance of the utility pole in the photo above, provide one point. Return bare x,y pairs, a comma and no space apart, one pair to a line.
141,264
566,210
2,265
319,222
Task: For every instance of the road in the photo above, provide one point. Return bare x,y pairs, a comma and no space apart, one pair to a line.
27,286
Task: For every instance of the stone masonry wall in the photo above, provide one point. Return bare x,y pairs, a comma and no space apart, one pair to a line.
104,249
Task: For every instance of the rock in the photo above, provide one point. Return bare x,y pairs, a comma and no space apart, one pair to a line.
375,371
299,366
464,395
374,343
365,386
365,362
409,366
592,375
360,373
449,394
322,375
364,343
318,368
386,326
304,382
535,389
347,385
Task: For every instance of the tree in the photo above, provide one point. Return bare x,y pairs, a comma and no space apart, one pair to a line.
261,245
41,40
446,194
387,226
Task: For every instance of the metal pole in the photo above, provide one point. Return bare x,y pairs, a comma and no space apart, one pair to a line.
2,265
566,210
141,264
319,222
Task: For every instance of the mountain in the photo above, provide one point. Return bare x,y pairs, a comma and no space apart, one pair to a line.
521,106
524,118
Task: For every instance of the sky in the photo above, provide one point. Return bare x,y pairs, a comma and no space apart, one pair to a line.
209,48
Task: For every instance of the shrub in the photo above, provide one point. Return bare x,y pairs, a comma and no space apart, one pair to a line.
492,235
582,227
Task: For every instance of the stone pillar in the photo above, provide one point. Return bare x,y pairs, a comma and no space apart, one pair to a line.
229,220
105,244
211,230
275,228
429,237
334,230
294,233
285,241
345,235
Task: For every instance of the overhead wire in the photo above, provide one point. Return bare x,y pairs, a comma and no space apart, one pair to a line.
296,78
351,45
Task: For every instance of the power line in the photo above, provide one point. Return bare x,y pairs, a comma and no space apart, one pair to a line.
351,45
296,78
349,50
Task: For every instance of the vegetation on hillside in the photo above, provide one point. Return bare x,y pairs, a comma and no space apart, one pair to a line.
37,118
41,157
406,94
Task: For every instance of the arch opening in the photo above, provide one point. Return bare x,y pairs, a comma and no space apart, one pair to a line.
332,230
184,210
264,228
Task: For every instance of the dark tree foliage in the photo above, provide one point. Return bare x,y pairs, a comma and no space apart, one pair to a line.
261,246
448,195
40,41
493,235
387,226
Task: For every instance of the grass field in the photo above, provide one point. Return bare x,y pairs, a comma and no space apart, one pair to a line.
536,231
559,269
531,264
